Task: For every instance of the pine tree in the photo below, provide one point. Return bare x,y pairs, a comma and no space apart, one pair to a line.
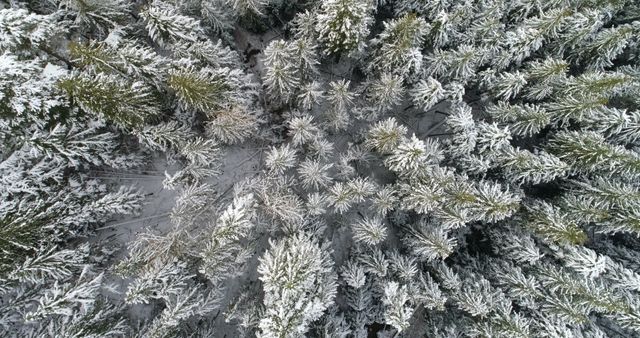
180,308
314,174
163,136
204,89
280,159
20,29
158,281
411,154
428,242
62,299
589,151
386,135
344,25
127,58
299,285
523,119
553,224
386,92
105,14
49,263
428,93
223,254
396,313
400,44
281,77
472,163
523,166
109,97
232,125
165,25
369,231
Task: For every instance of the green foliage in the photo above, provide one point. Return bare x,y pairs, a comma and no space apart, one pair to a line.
20,236
110,97
202,90
343,25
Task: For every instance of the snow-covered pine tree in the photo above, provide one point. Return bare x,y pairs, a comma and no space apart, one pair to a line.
299,285
60,130
405,168
344,25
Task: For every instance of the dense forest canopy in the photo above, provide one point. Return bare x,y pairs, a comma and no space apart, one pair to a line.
331,168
